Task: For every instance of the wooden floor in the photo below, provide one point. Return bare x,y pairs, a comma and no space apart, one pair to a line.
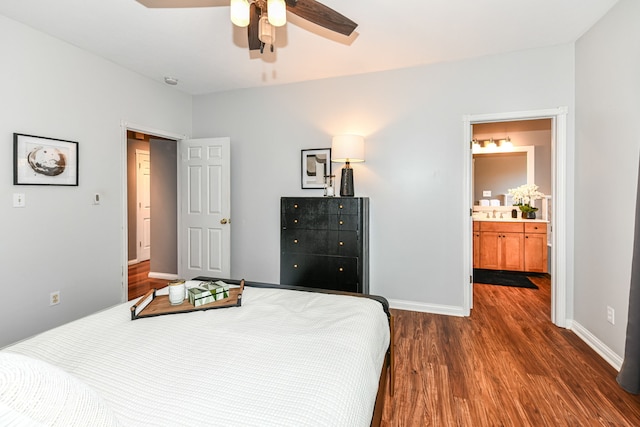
139,281
506,365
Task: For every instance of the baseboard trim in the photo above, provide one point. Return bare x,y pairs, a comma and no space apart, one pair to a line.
598,346
132,261
163,276
447,310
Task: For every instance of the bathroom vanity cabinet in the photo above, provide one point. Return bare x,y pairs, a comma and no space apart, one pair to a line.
510,245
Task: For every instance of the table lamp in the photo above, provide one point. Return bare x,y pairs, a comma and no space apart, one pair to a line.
347,149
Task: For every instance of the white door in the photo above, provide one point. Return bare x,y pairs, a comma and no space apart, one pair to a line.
204,231
143,224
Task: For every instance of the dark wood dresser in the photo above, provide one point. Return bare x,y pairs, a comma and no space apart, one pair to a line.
324,242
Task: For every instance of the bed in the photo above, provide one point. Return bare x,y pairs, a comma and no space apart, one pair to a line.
288,356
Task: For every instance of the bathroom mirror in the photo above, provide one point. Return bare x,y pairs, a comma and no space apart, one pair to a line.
498,171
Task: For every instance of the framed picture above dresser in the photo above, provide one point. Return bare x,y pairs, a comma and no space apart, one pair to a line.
324,242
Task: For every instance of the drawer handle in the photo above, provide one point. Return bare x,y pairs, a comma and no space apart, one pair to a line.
340,206
341,243
341,222
341,269
295,221
295,206
295,265
295,241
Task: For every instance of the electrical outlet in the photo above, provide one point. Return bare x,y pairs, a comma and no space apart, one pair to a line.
611,315
54,298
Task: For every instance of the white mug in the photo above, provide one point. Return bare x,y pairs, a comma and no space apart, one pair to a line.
176,292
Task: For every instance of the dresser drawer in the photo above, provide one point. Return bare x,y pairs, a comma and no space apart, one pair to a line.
343,222
310,220
325,242
303,204
534,227
319,271
502,227
342,206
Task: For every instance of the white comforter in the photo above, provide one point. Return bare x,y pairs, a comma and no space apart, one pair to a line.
284,358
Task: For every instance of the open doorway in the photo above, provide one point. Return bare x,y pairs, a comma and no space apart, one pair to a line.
151,212
558,241
509,250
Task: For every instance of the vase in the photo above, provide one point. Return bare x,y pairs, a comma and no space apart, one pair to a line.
528,215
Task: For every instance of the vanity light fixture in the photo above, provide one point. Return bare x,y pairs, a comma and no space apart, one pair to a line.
490,145
347,149
506,144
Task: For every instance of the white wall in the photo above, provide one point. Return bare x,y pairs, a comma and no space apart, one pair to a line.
60,241
607,148
413,123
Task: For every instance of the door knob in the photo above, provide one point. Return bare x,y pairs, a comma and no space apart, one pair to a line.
225,221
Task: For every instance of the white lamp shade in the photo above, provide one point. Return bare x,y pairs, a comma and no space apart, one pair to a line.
240,12
347,148
277,11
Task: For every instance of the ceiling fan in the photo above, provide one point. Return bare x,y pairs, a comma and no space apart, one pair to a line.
261,17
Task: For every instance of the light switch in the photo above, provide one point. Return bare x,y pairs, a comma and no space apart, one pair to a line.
18,200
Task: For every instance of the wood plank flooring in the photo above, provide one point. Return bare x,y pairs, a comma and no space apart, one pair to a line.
506,365
139,281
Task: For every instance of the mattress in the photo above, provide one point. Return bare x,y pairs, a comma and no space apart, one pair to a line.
285,358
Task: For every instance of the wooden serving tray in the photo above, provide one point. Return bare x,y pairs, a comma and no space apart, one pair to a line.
151,305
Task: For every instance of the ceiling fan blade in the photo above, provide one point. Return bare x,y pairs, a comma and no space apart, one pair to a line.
319,14
252,29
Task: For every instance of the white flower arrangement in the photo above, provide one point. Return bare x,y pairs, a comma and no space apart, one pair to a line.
524,196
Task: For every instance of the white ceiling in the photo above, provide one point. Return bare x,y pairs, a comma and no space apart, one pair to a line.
202,49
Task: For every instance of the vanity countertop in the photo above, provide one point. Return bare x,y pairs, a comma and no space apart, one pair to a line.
485,219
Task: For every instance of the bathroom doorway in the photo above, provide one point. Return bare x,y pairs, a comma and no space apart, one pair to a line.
530,128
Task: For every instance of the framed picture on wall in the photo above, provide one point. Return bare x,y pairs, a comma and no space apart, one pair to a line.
316,164
44,161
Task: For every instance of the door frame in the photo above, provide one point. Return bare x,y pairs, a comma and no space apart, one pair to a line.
559,176
124,252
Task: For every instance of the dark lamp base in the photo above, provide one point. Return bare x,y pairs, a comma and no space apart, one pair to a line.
346,183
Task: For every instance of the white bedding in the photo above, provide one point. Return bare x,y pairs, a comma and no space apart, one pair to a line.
285,358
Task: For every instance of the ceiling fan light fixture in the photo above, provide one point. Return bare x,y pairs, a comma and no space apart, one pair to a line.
240,12
266,31
277,11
